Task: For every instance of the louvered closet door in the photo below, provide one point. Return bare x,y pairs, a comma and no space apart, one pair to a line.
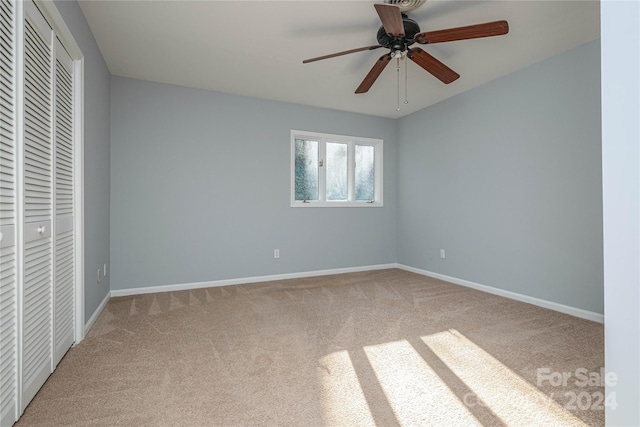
64,234
37,330
8,252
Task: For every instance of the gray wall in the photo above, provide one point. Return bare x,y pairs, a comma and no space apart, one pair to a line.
200,189
507,179
96,155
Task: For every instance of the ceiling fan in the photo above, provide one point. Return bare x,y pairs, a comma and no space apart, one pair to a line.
398,32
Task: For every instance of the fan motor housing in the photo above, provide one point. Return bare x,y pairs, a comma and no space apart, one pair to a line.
411,28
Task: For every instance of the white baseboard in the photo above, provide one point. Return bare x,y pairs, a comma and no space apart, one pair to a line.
96,313
245,280
573,311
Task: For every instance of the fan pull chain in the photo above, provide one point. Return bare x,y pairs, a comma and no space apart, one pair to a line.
406,80
398,78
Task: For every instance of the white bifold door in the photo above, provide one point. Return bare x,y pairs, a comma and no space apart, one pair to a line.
37,335
37,244
64,241
8,216
48,266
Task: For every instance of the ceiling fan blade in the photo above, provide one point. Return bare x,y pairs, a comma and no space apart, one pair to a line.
346,52
391,18
496,28
370,79
438,69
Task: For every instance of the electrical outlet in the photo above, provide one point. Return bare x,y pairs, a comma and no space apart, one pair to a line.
99,275
443,255
276,253
104,270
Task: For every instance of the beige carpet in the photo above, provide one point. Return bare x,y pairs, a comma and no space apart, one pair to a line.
376,348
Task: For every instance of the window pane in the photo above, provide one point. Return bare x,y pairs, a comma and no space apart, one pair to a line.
306,170
365,172
336,171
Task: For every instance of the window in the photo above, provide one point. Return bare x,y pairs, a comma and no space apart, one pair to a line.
335,170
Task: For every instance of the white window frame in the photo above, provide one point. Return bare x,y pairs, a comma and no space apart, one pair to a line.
351,141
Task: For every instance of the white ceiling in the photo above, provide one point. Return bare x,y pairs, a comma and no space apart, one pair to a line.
256,48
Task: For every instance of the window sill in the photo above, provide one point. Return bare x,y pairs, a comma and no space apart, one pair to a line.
317,204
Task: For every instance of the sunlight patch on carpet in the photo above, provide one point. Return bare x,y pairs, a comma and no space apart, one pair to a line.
506,394
414,391
343,401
